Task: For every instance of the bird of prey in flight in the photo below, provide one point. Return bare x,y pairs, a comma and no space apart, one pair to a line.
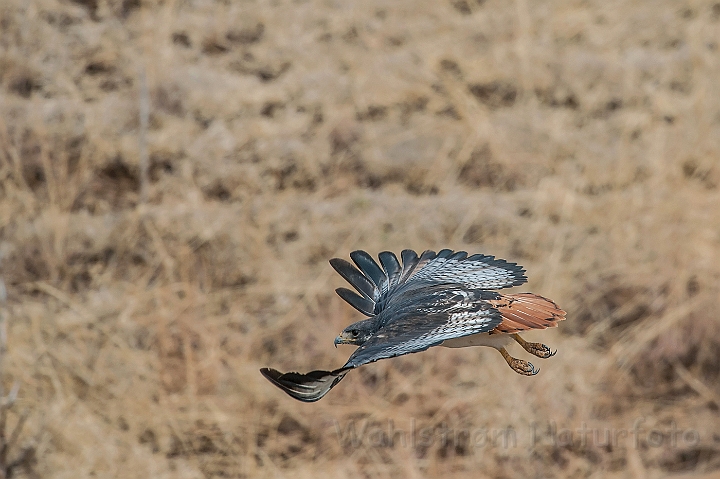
444,299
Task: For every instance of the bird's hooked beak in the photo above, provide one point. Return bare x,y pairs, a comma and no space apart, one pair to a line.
341,339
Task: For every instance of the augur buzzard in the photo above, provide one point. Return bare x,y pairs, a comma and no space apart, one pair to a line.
444,299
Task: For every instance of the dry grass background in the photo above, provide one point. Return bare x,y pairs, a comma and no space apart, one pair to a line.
578,138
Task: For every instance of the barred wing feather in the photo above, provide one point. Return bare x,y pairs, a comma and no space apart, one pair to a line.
413,335
379,286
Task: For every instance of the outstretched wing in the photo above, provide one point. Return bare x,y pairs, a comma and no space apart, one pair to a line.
399,337
415,334
378,286
474,272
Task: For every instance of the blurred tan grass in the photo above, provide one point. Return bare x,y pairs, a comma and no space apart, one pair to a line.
578,140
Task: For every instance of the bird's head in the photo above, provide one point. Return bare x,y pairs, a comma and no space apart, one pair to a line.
356,333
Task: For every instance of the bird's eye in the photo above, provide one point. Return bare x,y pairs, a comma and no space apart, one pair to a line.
354,333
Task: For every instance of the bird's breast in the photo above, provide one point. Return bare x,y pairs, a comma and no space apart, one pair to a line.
496,341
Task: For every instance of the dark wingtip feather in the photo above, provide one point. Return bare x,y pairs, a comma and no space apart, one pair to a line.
410,260
444,253
427,255
363,305
369,267
353,276
459,255
392,267
408,257
270,374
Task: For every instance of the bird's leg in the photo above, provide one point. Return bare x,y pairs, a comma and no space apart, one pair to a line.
518,365
536,349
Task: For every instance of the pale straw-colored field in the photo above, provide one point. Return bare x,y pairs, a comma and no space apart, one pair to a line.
175,175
